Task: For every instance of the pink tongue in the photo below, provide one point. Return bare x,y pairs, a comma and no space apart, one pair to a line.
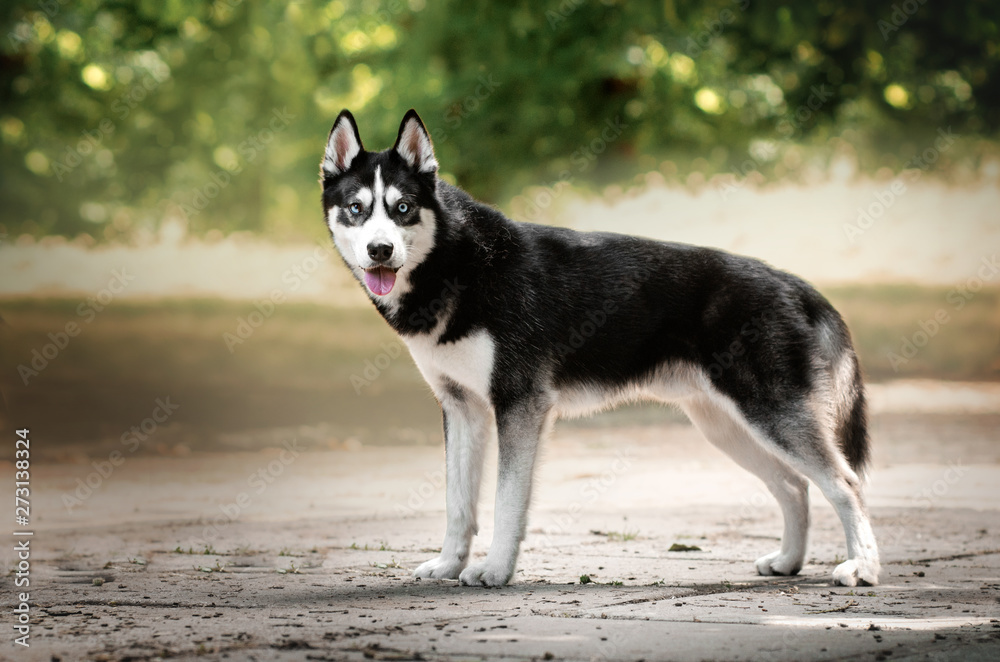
380,280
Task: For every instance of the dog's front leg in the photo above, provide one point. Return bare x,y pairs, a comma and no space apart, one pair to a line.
519,432
468,423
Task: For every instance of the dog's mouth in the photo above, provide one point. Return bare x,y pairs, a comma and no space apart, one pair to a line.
380,279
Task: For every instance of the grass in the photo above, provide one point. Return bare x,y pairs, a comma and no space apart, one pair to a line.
382,546
587,579
294,370
680,547
208,550
297,366
621,536
383,566
967,347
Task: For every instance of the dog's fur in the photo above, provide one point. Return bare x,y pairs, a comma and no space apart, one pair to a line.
514,324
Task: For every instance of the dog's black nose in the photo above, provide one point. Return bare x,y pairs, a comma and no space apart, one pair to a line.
379,252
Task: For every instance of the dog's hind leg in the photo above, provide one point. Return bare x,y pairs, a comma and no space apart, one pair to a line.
520,429
727,430
842,487
468,424
800,439
805,446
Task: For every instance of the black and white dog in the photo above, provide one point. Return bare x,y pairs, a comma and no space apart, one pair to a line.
515,324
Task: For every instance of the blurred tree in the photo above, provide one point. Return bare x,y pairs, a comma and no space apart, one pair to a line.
117,115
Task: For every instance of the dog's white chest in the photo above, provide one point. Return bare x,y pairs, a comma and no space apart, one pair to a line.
468,362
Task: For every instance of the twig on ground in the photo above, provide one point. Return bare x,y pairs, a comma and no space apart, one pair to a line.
850,603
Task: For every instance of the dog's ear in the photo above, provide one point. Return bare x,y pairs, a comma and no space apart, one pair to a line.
342,146
414,143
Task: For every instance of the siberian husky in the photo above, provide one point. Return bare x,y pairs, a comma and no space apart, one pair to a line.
515,324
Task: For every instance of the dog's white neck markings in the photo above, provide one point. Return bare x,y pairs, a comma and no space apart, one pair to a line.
467,361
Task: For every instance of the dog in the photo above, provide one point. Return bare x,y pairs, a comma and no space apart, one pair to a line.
515,324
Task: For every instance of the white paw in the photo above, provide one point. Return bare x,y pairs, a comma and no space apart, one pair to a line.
856,571
486,574
777,564
440,568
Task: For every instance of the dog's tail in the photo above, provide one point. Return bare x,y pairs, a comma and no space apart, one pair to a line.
847,390
852,418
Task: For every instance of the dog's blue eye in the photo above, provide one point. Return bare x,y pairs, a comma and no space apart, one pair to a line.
355,208
403,207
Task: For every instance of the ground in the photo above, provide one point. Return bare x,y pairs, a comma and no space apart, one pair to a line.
306,554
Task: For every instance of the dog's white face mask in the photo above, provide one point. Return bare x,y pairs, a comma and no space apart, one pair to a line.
378,227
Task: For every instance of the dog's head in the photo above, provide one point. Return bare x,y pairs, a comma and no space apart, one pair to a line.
380,206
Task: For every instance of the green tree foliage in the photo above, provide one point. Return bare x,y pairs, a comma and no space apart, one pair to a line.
117,115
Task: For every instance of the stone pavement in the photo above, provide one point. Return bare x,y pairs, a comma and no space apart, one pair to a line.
189,558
